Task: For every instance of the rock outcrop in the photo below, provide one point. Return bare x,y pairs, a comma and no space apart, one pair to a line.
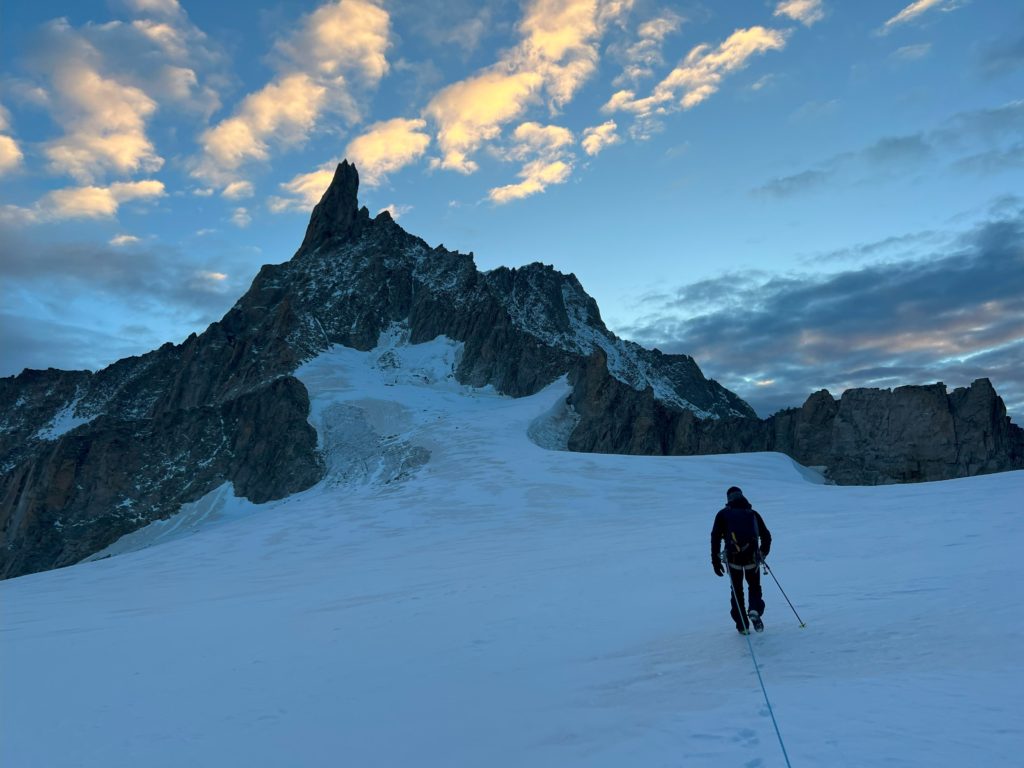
867,437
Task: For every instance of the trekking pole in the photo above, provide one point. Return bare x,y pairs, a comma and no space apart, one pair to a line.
769,570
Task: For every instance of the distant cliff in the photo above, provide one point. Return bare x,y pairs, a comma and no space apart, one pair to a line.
867,437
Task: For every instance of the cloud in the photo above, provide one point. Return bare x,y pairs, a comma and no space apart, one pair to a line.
341,39
473,111
557,52
105,83
544,151
11,155
119,241
1003,56
903,246
95,202
50,292
978,141
786,186
159,7
305,190
698,76
807,12
642,56
600,136
952,316
285,110
237,190
396,211
386,147
31,342
241,218
916,9
104,119
913,52
337,46
139,277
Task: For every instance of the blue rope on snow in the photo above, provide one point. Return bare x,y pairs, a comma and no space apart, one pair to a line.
760,679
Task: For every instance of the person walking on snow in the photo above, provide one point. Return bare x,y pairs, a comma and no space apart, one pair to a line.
747,542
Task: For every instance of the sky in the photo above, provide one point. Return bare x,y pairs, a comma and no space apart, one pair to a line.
801,194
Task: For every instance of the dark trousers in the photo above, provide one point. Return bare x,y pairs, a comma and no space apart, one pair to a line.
739,615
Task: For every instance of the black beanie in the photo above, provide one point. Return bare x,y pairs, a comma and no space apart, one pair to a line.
733,493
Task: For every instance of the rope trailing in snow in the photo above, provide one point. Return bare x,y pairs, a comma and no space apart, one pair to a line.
760,679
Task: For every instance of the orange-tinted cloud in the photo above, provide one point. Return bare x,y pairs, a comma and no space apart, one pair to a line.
914,10
557,53
386,147
337,44
600,136
92,202
544,151
807,12
700,74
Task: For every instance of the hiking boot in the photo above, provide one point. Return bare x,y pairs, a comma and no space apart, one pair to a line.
755,619
743,630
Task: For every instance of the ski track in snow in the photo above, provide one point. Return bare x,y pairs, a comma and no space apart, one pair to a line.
460,596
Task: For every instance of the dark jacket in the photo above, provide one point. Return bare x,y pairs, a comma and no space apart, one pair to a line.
720,532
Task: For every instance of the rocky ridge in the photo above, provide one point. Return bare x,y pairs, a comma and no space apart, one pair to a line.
866,437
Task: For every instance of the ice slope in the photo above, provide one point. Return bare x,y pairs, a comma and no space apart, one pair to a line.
454,595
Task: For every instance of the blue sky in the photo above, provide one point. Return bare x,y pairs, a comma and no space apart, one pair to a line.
801,194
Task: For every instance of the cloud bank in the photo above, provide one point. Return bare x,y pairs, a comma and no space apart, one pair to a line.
951,317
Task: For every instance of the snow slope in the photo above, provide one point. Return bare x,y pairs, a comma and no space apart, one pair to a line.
452,594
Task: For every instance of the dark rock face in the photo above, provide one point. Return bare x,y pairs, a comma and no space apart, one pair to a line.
868,437
93,485
87,457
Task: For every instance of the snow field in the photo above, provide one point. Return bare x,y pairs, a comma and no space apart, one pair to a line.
454,595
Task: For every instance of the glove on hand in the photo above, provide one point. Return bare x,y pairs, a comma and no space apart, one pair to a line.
719,568
764,550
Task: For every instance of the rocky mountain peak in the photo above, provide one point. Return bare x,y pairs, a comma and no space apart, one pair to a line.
337,215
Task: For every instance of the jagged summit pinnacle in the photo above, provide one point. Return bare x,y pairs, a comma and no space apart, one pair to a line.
338,213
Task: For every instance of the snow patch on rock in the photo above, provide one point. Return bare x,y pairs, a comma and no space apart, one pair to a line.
65,420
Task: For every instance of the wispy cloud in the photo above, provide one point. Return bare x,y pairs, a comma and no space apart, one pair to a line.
240,218
396,211
913,52
699,75
952,316
645,53
119,241
238,190
304,190
544,151
980,141
807,12
336,46
1000,57
915,10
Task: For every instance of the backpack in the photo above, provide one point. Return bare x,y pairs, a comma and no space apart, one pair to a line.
741,532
